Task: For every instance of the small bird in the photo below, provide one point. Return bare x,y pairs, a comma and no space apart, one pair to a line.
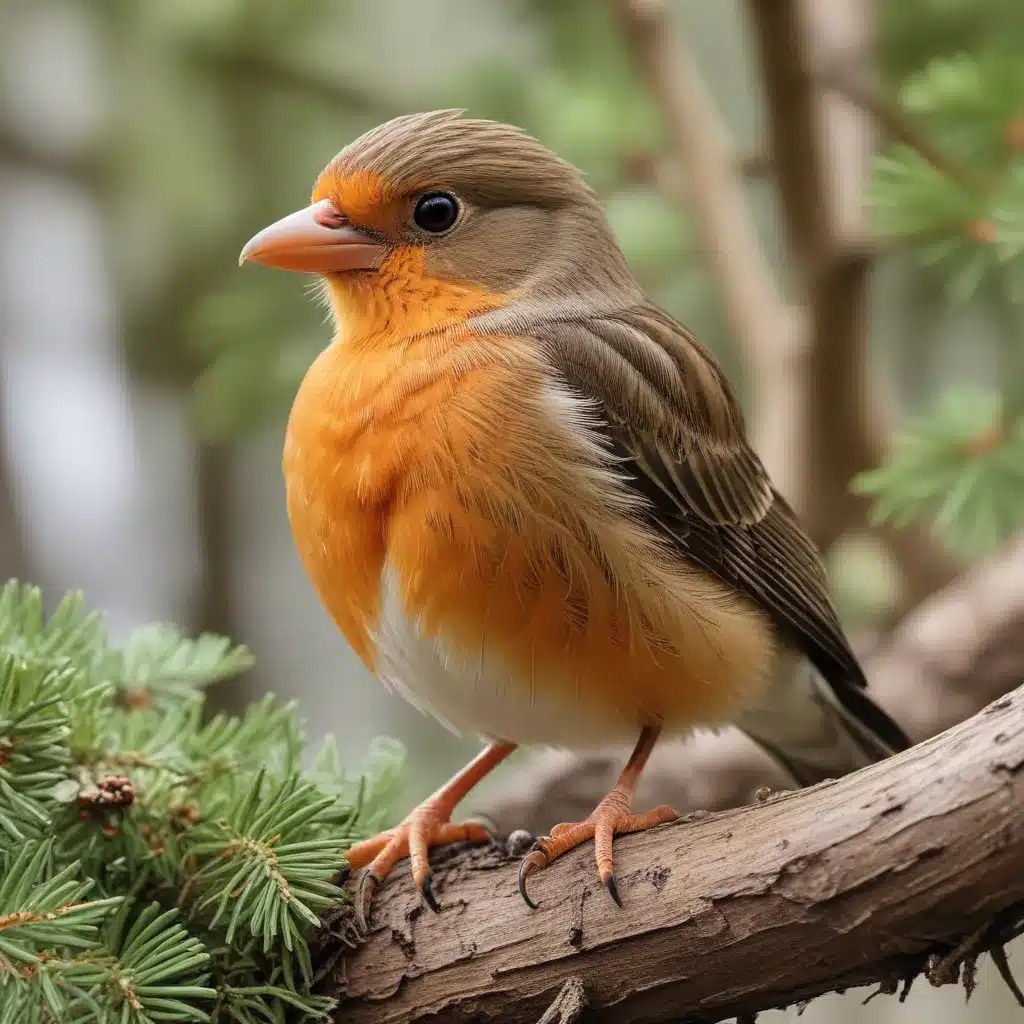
525,494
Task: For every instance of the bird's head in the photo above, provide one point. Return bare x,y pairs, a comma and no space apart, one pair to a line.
446,218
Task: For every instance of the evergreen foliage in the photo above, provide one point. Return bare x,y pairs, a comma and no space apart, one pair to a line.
158,865
960,464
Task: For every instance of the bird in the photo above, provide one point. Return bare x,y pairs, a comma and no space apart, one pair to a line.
526,496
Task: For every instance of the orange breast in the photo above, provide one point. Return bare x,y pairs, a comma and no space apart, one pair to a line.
367,426
545,613
356,429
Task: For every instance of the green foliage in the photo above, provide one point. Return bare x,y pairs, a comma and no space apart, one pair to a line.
967,224
962,466
157,865
956,203
915,32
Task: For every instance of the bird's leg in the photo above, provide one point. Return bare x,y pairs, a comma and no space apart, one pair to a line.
612,816
425,826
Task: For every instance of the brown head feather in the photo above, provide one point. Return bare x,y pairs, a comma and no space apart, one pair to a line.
487,163
530,229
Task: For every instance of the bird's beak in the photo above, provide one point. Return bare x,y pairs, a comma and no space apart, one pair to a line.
316,240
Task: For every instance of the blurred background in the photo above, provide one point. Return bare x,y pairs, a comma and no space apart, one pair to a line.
835,204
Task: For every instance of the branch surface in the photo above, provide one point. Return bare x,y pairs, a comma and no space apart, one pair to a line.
851,882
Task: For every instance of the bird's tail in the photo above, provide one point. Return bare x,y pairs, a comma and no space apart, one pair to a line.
812,732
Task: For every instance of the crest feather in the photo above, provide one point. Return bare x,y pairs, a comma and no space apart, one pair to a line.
490,163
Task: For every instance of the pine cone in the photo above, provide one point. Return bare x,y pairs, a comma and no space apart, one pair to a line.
112,792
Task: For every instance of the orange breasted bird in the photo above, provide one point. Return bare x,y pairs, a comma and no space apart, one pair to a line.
525,494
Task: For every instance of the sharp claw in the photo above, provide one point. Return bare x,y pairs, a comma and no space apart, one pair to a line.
364,898
609,884
526,869
535,859
426,888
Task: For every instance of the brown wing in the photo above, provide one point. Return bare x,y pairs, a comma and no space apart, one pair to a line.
673,420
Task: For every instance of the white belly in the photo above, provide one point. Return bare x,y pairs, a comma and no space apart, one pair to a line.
475,691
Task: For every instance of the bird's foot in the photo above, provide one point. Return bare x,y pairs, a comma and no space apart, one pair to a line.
612,816
426,826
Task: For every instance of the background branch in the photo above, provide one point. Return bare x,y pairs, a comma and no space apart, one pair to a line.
806,364
846,82
821,154
821,148
260,70
768,330
85,168
848,883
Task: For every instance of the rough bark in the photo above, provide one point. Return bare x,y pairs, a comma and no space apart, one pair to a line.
873,878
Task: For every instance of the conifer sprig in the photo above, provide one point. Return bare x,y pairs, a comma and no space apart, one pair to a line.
158,864
960,465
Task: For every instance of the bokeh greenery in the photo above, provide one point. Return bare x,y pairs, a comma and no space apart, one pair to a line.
228,110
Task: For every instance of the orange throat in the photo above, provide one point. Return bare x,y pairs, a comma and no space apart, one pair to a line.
360,423
397,303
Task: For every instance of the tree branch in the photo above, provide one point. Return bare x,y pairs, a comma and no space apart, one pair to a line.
769,331
85,168
821,153
813,418
258,70
956,652
889,117
848,883
821,148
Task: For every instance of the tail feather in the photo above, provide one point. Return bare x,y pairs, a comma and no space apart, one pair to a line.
817,731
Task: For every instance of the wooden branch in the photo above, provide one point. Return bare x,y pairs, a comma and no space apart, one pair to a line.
849,883
85,168
956,652
890,118
260,71
813,417
821,156
821,149
769,331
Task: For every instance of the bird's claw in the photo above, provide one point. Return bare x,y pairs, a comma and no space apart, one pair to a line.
611,817
426,890
365,889
613,889
537,858
424,828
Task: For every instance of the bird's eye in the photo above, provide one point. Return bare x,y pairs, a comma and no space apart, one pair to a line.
436,211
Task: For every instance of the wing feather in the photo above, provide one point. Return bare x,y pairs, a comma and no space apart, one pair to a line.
676,428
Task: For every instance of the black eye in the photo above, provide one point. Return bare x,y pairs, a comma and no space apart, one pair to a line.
436,211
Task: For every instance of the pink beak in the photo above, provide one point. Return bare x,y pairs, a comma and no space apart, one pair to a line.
316,240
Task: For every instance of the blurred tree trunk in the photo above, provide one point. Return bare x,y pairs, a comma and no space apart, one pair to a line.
214,603
14,553
817,417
